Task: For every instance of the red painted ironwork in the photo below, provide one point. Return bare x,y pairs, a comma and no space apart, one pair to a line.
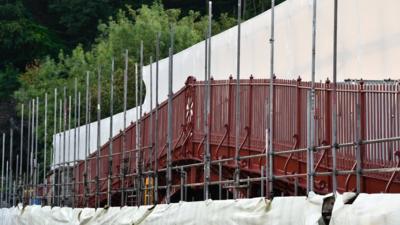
380,118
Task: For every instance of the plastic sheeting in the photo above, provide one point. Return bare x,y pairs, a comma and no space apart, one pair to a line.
33,215
368,45
8,216
367,209
368,48
256,211
244,211
58,139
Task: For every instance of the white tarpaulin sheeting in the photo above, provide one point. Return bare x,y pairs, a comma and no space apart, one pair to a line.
8,216
35,215
367,209
244,211
368,48
58,139
256,211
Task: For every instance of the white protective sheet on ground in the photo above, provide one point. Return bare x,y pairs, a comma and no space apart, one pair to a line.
296,210
8,216
47,216
37,215
256,211
228,212
367,209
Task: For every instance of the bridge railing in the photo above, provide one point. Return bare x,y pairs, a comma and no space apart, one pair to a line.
368,122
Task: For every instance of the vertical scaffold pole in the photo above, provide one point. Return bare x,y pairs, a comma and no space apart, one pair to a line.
87,132
312,98
11,160
9,181
31,143
169,175
136,152
207,108
156,126
261,181
21,144
170,109
90,179
54,147
32,166
205,98
124,158
2,168
309,118
31,180
270,166
68,150
334,101
358,145
27,172
10,185
151,150
64,180
59,180
7,188
15,182
182,176
110,147
45,147
209,35
97,199
36,148
237,104
79,140
75,142
220,181
140,150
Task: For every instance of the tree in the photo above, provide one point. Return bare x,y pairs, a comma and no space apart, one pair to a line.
21,42
72,17
125,31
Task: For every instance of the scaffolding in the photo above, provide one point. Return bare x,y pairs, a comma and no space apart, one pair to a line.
246,137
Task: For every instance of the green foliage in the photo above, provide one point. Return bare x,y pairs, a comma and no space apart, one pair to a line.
8,81
47,44
32,30
74,16
21,42
124,32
